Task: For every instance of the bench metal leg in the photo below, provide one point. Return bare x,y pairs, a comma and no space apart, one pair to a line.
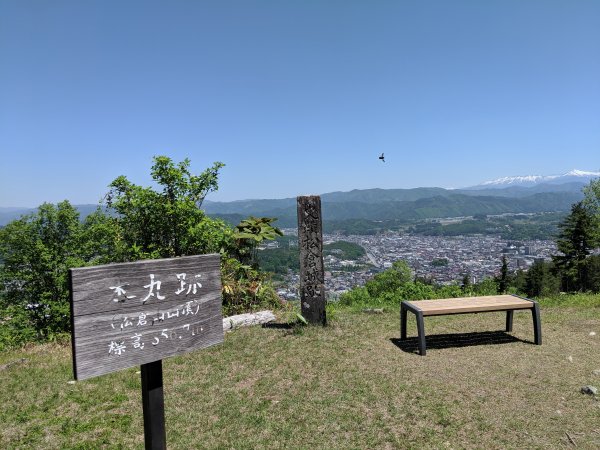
402,322
421,332
537,326
509,320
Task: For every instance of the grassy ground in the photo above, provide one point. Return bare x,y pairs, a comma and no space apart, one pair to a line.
351,385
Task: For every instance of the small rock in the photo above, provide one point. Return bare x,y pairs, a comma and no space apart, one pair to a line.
596,372
592,333
589,390
570,358
559,412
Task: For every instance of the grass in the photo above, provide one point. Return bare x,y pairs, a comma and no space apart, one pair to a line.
350,385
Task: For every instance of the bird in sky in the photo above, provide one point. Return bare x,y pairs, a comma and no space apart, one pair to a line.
382,158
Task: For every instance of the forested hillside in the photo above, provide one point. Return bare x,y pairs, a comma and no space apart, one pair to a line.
410,204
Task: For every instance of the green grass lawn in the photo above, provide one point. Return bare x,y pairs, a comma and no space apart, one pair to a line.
350,385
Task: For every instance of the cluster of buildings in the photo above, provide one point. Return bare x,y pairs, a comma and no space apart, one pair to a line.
444,260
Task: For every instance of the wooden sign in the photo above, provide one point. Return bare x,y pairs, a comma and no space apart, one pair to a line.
312,273
130,314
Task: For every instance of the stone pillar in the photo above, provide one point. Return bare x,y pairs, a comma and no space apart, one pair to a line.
312,273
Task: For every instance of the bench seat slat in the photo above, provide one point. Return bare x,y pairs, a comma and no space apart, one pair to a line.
471,304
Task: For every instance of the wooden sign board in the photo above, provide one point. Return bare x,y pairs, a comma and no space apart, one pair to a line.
129,314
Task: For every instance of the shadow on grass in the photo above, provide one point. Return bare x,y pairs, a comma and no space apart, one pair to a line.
440,341
278,326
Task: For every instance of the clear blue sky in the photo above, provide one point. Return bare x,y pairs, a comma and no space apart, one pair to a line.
295,97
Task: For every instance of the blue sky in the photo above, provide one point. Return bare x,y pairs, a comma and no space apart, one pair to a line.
295,97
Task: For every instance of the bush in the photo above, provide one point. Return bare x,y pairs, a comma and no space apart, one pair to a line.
245,288
37,251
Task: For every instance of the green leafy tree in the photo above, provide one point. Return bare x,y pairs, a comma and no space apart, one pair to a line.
167,222
37,251
592,196
389,280
576,239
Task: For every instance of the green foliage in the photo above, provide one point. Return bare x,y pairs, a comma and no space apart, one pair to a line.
409,290
540,280
344,250
439,262
577,237
390,287
301,319
466,283
592,197
433,204
249,233
168,222
279,260
512,227
37,251
504,278
245,288
578,300
389,280
591,274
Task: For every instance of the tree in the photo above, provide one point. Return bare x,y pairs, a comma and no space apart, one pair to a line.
592,196
503,280
577,237
591,202
37,251
390,279
167,222
466,282
540,281
592,274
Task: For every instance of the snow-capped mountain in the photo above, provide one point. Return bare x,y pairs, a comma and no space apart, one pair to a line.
574,176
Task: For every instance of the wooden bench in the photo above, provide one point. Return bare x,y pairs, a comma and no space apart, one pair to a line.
508,303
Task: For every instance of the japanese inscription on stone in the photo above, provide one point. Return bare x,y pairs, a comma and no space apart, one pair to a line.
128,314
312,275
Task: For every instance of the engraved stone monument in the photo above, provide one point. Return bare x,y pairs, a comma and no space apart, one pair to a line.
312,274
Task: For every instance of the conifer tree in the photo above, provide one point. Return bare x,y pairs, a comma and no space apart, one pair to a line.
576,239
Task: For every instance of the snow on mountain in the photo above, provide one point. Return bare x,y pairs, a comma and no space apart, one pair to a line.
577,176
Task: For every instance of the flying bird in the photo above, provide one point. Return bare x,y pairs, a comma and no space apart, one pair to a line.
382,158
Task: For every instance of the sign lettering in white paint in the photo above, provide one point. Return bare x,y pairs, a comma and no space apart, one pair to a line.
129,314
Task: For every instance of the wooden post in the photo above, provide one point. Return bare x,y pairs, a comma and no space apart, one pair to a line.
312,273
153,403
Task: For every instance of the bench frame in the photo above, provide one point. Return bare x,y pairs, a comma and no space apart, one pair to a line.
473,308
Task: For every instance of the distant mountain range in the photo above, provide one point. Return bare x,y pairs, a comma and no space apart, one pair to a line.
522,194
574,176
